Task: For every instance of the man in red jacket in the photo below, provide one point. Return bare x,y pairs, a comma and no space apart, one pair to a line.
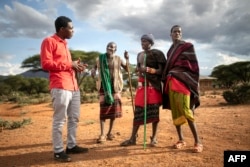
56,58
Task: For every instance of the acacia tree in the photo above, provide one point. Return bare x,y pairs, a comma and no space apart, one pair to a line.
232,74
86,58
34,64
241,70
235,77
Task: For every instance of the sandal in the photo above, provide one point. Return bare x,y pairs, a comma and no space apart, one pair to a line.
101,139
110,136
180,144
153,142
198,148
128,143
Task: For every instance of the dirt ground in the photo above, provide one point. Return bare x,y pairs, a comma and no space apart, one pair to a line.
220,126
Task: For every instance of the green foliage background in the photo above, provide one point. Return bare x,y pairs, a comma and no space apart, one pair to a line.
234,78
24,90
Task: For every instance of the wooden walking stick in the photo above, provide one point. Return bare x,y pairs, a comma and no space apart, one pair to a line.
130,83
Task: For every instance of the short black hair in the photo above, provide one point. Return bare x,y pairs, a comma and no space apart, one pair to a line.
174,27
61,21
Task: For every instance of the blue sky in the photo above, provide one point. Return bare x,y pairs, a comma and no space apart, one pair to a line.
219,30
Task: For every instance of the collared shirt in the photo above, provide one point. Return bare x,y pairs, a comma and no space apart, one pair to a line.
56,58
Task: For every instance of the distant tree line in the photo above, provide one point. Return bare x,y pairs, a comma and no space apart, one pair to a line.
234,78
18,85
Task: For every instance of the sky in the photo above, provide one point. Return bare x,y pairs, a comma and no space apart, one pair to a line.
219,29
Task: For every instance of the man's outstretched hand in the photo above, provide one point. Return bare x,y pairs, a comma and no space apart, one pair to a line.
78,66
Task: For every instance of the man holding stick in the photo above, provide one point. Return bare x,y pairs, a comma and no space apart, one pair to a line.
148,98
109,85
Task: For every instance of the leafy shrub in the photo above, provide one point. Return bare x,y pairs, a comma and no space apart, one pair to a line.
23,99
89,98
230,97
238,95
14,124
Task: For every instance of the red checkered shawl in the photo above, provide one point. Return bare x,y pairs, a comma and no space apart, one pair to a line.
182,64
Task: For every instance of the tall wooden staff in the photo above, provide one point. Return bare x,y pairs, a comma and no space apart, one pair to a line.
129,78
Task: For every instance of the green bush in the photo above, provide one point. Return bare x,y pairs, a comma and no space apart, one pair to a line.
25,99
89,98
238,95
14,124
230,97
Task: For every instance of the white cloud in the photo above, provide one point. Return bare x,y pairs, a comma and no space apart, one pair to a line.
7,68
227,59
220,30
23,21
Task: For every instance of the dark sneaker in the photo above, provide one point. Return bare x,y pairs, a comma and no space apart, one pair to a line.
76,150
62,157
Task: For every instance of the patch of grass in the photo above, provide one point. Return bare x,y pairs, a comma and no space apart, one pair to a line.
4,124
23,99
89,98
89,122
